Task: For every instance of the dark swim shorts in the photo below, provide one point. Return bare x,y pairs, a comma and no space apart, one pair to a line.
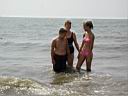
60,63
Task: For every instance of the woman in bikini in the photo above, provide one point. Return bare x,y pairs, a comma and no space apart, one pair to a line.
71,37
86,48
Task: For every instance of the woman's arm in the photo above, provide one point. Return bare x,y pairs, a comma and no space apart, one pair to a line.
68,53
67,48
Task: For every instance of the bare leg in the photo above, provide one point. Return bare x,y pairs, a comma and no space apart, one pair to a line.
70,62
89,62
80,62
72,58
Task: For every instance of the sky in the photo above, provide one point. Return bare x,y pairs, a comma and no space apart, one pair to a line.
65,8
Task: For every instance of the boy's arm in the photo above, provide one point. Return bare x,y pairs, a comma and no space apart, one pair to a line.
52,51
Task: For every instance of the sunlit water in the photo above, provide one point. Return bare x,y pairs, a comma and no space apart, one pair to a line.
26,69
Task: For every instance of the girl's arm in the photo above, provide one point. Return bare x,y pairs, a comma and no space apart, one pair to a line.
82,43
75,42
80,49
92,44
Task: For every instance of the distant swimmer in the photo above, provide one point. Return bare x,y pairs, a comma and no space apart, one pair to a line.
59,51
86,47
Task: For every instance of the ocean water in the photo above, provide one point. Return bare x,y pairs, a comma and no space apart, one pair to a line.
25,64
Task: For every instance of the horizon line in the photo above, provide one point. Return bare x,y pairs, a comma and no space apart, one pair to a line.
66,17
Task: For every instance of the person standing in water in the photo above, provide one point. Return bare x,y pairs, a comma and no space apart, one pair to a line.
59,51
71,37
86,48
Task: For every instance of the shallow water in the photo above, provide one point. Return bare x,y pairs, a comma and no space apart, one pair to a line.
93,84
26,69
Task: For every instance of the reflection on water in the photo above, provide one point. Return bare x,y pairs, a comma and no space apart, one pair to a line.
64,84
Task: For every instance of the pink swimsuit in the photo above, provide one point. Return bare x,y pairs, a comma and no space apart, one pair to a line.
86,52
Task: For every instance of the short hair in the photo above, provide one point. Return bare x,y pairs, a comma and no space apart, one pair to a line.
62,30
88,23
67,22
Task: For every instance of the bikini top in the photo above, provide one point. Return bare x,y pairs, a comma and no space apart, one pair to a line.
87,39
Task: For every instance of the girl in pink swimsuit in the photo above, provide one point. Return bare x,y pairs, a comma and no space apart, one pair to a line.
86,52
86,48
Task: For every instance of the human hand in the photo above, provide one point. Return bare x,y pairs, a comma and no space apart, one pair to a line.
78,56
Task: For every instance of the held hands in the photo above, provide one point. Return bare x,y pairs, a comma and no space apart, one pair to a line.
78,56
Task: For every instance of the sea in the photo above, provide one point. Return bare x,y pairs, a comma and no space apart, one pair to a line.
25,62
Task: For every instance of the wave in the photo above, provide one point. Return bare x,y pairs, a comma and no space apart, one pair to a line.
20,86
64,85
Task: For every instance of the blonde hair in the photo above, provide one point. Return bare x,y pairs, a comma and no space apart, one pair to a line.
67,22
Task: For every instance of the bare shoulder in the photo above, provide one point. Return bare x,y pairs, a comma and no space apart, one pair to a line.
65,39
54,40
84,34
74,34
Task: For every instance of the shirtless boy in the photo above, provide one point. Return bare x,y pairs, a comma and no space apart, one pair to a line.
59,51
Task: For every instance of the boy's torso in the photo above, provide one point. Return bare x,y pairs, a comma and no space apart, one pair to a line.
60,48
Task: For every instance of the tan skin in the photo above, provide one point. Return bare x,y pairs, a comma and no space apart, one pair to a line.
68,35
88,58
59,46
